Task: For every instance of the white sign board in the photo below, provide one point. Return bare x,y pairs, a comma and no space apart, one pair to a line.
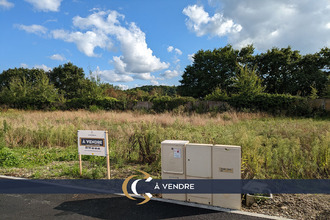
92,143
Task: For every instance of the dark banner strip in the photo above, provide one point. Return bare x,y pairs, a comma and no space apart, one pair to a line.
8,186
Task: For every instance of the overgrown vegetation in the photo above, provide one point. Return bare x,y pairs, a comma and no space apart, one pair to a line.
43,144
282,79
279,82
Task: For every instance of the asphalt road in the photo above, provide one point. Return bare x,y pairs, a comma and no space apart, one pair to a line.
98,206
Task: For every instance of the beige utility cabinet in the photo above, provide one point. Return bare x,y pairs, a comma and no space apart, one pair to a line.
199,166
226,164
173,164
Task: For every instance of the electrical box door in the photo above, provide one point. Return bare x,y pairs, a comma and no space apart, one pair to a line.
173,164
173,156
226,165
198,160
199,166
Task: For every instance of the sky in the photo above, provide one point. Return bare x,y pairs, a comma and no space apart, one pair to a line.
130,43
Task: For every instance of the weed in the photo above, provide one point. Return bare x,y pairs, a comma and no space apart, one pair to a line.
271,147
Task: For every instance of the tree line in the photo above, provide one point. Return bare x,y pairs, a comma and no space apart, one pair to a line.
280,71
264,81
67,87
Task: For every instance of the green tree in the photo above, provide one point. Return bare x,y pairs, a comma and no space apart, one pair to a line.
7,76
326,92
69,79
311,73
212,69
42,92
313,94
217,95
160,90
34,92
277,68
91,87
247,82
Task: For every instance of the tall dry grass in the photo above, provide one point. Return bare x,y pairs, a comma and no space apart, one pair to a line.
33,119
271,147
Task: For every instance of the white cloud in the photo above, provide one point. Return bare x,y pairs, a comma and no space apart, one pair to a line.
112,76
43,67
6,4
123,87
144,76
34,29
191,57
169,74
154,82
176,50
86,42
300,24
201,23
24,65
57,57
176,60
170,49
102,28
327,25
137,57
45,5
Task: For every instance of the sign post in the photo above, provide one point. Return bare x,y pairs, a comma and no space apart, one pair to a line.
94,143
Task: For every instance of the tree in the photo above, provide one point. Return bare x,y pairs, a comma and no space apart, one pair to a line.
326,92
23,90
29,75
91,87
42,92
247,82
146,92
277,68
69,79
311,74
217,95
212,69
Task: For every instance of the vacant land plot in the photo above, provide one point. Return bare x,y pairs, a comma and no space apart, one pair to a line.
44,144
37,144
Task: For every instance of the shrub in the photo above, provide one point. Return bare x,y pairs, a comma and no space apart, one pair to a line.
167,103
217,95
8,158
93,108
106,103
272,103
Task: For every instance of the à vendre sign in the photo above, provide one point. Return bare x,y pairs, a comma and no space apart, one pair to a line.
92,143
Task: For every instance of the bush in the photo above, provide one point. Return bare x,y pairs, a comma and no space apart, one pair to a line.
167,103
94,108
217,95
106,103
8,158
272,103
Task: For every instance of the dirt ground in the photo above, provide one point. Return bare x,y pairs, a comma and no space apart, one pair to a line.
294,206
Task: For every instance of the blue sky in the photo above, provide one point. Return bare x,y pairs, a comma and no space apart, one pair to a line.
146,42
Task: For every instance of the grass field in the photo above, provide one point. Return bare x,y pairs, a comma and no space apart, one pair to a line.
39,144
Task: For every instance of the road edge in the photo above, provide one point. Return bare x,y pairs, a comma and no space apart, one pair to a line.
196,205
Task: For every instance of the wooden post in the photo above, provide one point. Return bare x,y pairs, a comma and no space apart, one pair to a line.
108,166
108,154
80,165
